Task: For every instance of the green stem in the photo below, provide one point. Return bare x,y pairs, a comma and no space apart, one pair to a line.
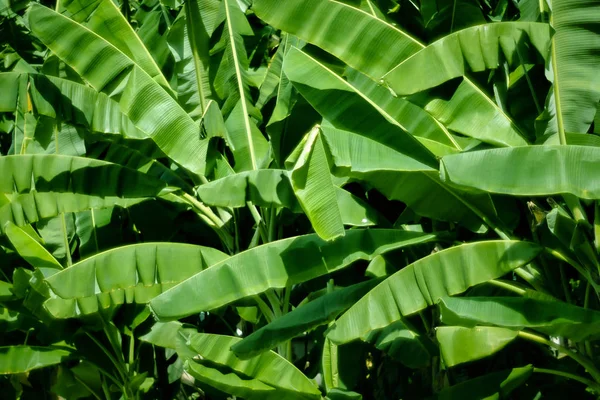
563,281
286,299
508,286
580,359
567,375
586,304
272,224
264,308
259,221
87,387
531,90
274,301
63,222
110,357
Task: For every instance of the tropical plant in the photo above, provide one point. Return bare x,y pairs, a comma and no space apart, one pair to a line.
300,199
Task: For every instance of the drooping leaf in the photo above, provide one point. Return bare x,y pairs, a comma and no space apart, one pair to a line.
401,178
424,282
495,385
281,266
149,106
67,174
551,317
272,188
267,376
401,341
474,49
28,248
104,19
414,119
358,38
24,209
460,345
21,359
527,171
129,274
362,40
347,108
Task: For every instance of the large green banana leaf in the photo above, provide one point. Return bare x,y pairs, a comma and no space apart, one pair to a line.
424,282
129,274
131,158
80,105
460,345
401,178
363,41
358,38
473,49
314,189
414,119
493,386
21,359
347,108
272,188
551,317
71,101
9,82
29,248
57,173
575,63
304,318
149,106
527,171
24,209
268,376
282,263
104,19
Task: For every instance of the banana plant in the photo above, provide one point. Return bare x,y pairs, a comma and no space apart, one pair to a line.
309,199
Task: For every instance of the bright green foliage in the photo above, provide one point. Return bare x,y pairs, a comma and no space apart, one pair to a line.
299,199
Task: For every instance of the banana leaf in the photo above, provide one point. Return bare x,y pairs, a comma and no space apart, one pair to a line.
348,109
496,385
551,317
314,189
476,49
30,249
149,106
424,282
575,63
267,376
129,274
459,345
304,318
58,173
21,359
283,263
527,171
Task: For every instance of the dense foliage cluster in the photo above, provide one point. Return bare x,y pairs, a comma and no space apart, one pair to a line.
299,199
